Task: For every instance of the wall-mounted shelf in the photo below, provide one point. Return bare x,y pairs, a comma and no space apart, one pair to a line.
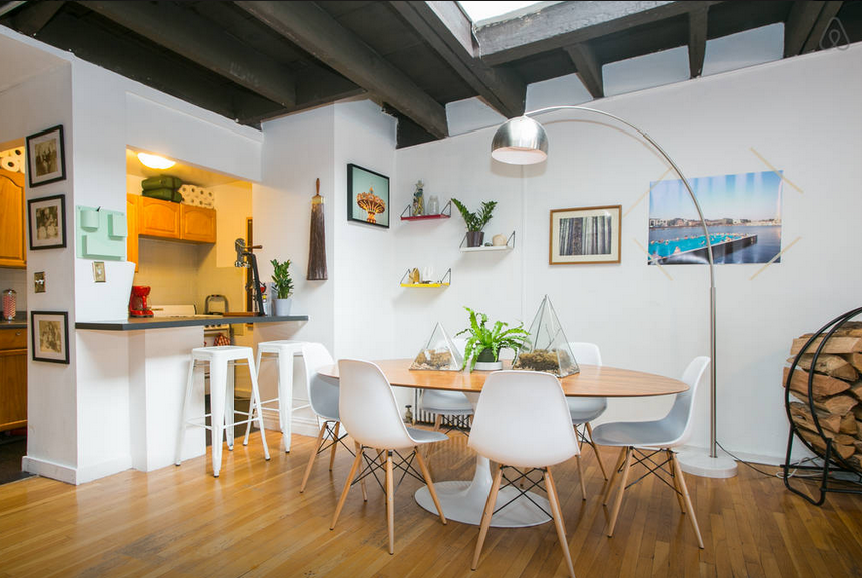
443,214
443,282
510,244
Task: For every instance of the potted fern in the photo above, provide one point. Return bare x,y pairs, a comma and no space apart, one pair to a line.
282,287
483,346
476,221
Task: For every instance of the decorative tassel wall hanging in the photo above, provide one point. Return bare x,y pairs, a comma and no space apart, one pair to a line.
317,241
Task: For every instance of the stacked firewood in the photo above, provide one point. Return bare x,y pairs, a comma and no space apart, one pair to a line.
837,392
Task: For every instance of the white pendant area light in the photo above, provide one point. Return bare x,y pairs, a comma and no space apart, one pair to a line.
155,161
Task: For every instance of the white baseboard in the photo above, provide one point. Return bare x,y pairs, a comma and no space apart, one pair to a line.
51,470
299,425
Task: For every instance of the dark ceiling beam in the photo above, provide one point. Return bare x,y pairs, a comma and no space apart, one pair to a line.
569,23
193,37
131,58
34,16
589,68
444,27
697,29
309,27
800,22
819,29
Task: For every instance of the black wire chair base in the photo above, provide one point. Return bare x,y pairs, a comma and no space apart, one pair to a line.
374,465
330,439
827,471
520,482
645,457
459,423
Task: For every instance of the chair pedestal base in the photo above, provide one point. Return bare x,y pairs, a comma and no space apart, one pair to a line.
698,463
463,501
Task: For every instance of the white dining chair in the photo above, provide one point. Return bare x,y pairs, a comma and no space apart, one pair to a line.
585,409
323,399
440,403
369,411
648,439
522,421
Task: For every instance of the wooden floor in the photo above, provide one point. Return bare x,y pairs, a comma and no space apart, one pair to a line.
252,521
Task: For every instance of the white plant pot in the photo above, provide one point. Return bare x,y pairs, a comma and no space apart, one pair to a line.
282,307
488,366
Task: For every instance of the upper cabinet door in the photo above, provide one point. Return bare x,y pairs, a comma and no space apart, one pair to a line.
159,218
198,224
12,227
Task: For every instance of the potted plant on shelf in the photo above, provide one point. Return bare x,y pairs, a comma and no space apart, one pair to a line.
476,221
483,346
282,286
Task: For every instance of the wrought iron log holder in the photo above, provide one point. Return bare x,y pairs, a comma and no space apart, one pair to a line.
833,463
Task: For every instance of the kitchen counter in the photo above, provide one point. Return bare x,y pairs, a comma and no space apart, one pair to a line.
139,323
20,322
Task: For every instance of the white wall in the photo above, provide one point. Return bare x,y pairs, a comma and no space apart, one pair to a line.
802,114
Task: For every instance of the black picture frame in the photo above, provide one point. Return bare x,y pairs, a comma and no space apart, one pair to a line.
49,336
47,220
46,157
361,182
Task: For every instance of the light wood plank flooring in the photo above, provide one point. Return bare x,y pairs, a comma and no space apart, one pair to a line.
252,521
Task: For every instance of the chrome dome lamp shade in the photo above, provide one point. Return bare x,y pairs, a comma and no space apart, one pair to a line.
520,141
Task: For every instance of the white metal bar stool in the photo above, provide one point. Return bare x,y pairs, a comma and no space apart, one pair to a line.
219,358
282,351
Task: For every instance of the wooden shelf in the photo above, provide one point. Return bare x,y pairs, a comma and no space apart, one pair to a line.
443,214
510,244
425,285
443,282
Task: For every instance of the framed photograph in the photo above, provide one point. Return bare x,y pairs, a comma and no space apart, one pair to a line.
50,336
367,196
46,158
585,235
47,222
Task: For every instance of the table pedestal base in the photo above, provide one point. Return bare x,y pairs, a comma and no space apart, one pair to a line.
459,504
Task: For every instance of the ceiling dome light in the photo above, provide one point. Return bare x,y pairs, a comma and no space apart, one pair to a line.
155,161
520,141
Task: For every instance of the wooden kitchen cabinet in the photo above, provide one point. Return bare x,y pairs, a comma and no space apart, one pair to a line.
197,224
132,202
12,252
13,378
158,218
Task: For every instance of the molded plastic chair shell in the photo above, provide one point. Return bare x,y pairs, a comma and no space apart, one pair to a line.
586,409
672,430
322,391
522,420
369,411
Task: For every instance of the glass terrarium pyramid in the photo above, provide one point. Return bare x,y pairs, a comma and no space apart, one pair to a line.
547,348
439,353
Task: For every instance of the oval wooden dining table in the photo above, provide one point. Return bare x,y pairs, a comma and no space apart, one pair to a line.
464,500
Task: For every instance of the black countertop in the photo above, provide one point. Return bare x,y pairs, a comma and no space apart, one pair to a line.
137,324
20,322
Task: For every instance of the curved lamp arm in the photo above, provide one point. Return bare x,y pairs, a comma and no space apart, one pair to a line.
712,312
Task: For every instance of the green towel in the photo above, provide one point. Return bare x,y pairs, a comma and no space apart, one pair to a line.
164,194
161,182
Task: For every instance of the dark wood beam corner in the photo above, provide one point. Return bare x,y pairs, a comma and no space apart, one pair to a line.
195,38
35,16
801,20
589,68
697,33
312,29
829,11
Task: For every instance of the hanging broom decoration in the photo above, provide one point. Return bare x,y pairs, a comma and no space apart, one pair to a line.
317,241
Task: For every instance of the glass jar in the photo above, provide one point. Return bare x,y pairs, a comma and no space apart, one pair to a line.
10,304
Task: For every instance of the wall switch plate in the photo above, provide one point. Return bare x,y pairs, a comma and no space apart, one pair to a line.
98,271
39,282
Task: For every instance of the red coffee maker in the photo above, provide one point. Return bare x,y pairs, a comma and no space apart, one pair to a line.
138,302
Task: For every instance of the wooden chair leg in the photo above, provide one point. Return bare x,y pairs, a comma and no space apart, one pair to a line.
359,451
581,476
347,485
487,513
311,457
437,419
427,475
610,483
676,487
557,512
619,499
390,502
334,444
692,518
596,450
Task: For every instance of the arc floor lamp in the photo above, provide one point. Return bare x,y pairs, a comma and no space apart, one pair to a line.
523,141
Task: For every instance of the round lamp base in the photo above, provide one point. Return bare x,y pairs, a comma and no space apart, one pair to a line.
698,463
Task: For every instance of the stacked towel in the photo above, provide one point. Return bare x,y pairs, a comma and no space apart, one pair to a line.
198,196
164,187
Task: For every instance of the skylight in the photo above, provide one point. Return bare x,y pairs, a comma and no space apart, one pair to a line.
478,11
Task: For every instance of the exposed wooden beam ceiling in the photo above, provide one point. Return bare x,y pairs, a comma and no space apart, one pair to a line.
30,22
570,23
697,32
187,34
444,27
589,68
310,28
